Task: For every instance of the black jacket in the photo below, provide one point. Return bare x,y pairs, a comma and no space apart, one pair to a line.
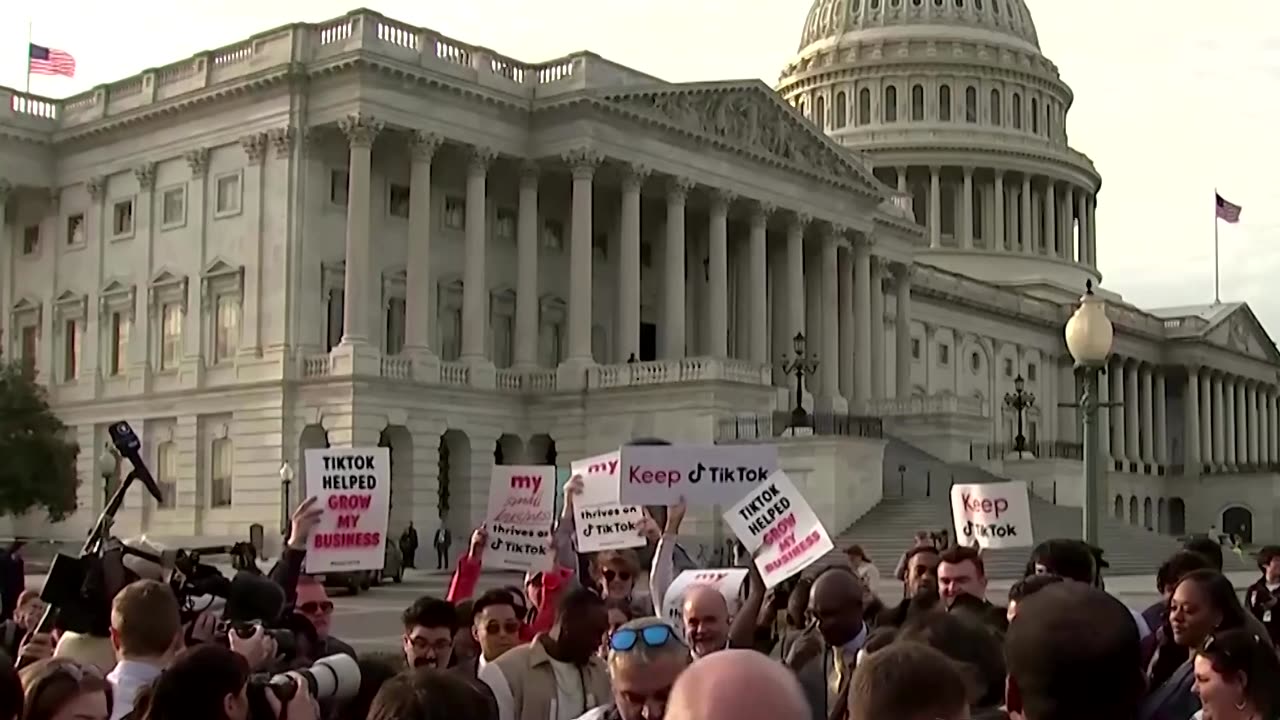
1265,606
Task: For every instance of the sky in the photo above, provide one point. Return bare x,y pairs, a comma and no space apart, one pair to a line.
1172,99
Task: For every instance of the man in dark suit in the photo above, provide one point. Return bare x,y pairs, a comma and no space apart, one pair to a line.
823,655
495,625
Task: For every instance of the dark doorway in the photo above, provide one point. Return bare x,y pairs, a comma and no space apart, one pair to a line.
1237,522
648,342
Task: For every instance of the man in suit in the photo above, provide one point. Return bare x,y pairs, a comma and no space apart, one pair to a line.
495,625
824,654
443,540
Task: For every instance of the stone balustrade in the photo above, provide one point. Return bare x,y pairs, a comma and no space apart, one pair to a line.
925,405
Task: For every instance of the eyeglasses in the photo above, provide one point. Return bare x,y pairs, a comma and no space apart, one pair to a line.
654,636
622,575
313,607
510,628
421,643
1212,640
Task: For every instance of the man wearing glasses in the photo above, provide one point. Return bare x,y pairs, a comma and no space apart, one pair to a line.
314,604
645,658
496,626
429,625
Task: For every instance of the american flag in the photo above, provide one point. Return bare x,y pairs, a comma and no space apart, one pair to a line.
48,61
1226,210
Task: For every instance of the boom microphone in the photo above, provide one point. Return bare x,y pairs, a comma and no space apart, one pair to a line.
128,445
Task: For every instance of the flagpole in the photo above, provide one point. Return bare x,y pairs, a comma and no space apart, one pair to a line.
29,39
1217,298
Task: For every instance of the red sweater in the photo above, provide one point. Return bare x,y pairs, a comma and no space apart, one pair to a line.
467,575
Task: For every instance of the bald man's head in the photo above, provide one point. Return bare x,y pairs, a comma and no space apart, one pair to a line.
836,603
705,614
736,685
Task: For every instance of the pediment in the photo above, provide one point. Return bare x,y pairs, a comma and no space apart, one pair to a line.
1240,331
116,287
219,267
166,277
26,304
749,117
67,297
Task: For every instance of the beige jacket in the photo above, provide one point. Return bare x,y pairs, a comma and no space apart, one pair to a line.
531,682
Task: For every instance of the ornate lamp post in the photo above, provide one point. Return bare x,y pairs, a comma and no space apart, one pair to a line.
1019,401
1089,335
286,479
107,464
800,366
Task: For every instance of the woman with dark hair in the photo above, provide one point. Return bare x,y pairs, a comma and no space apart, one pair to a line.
620,613
430,694
60,688
1204,602
210,682
1237,677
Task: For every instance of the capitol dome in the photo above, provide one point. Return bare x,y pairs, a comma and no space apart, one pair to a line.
953,103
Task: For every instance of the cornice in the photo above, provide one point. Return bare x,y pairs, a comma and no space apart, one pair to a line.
920,67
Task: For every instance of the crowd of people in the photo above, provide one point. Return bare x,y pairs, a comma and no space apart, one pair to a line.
587,640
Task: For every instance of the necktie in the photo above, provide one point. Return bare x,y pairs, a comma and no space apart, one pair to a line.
837,670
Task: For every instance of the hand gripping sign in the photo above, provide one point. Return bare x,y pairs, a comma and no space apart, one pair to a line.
521,500
779,529
701,474
600,521
995,515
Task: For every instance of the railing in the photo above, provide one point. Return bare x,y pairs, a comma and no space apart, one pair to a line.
1056,450
317,366
396,368
663,372
541,380
925,405
757,427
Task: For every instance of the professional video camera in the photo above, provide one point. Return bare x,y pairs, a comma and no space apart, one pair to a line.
331,679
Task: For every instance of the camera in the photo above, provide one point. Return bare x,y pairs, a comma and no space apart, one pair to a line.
333,678
286,641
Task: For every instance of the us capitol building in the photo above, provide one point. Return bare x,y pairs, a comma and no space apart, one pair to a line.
362,232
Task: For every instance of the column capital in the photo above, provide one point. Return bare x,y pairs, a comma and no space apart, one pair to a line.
146,175
255,147
198,161
761,211
880,264
999,174
800,220
968,171
721,199
935,170
864,242
582,162
96,186
633,176
904,272
529,172
361,129
479,159
678,188
424,144
282,139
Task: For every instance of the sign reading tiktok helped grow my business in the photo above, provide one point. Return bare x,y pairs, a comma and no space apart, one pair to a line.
701,474
353,486
779,529
995,515
521,503
601,522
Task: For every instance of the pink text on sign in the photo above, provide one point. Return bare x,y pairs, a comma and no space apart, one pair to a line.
986,506
644,476
526,482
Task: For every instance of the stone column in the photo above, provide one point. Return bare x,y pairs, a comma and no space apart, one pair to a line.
718,269
526,349
1132,416
900,175
1119,445
878,267
1230,442
475,284
627,339
1264,426
1160,429
1146,434
1273,418
966,210
862,319
847,329
1071,251
1251,421
673,310
8,253
902,332
1219,423
1092,208
758,279
1051,218
830,368
1104,425
1028,242
795,273
419,282
998,215
935,207
1191,416
361,130
582,163
1207,453
1241,430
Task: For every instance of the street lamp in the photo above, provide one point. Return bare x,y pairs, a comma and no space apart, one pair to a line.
286,478
107,463
1019,401
1089,335
799,366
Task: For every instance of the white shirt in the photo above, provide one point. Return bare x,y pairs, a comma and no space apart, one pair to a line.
128,677
597,713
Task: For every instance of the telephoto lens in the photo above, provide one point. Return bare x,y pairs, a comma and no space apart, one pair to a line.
336,677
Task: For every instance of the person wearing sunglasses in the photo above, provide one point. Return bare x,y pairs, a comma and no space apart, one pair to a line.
496,627
314,604
646,656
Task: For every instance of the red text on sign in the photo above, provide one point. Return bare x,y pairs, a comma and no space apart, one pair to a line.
988,506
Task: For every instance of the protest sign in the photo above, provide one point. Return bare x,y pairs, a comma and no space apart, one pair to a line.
701,474
995,515
521,503
353,486
779,529
601,522
726,580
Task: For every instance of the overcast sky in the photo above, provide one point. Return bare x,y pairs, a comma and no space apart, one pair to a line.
1173,98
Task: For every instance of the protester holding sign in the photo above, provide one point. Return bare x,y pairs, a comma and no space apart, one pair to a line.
993,515
521,502
779,529
353,486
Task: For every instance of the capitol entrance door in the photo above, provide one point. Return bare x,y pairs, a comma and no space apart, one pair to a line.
648,342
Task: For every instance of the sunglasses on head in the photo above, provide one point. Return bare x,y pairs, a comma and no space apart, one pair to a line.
622,575
654,636
313,607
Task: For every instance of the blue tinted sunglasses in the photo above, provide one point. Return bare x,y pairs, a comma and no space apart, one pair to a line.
654,636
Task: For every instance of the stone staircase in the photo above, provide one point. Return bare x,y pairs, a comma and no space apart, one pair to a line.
918,498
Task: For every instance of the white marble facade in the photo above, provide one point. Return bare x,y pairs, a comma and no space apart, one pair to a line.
360,231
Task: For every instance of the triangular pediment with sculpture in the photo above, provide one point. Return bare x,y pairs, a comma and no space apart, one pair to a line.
748,117
1240,331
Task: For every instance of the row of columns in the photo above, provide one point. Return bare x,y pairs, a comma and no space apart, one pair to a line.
834,252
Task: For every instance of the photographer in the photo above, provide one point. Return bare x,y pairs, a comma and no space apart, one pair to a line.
209,682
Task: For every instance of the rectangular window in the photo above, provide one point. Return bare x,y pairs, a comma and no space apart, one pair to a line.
334,325
503,329
223,460
915,348
173,207
394,341
226,331
944,354
398,200
338,187
122,218
170,336
30,346
167,475
455,213
227,195
30,239
70,351
119,347
1031,372
504,225
75,229
553,235
450,334
1008,368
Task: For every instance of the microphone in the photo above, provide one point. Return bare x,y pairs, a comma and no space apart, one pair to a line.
129,447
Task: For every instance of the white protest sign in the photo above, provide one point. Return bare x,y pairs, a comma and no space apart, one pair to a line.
779,529
601,522
726,580
701,474
521,505
996,515
353,486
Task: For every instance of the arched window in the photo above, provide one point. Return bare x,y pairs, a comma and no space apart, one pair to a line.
944,103
820,113
996,118
891,104
971,104
917,103
1035,115
1016,110
842,109
864,106
803,110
